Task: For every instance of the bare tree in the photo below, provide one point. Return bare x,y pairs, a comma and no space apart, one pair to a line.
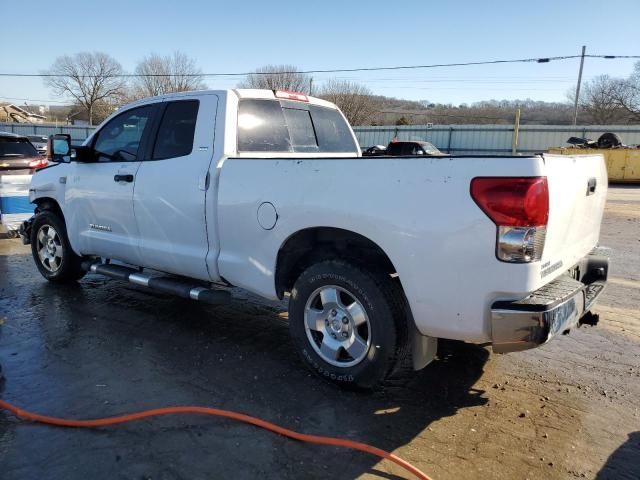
158,75
278,77
598,99
356,101
89,78
628,93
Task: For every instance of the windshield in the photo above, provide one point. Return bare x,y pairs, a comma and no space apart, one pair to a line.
16,147
429,148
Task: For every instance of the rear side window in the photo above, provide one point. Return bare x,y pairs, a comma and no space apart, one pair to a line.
332,130
176,131
303,136
261,127
274,126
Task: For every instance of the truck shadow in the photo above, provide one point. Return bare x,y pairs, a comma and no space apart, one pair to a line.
111,348
624,463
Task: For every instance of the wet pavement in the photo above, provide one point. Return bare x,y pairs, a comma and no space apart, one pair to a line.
570,409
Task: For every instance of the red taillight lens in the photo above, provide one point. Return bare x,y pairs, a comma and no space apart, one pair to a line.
513,201
40,163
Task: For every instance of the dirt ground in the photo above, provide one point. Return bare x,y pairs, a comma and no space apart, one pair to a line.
570,409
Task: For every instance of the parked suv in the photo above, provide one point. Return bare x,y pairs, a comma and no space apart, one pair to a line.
18,156
40,142
402,148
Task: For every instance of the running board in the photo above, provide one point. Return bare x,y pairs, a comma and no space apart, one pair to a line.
173,286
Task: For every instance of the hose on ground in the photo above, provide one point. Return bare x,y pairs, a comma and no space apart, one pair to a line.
240,417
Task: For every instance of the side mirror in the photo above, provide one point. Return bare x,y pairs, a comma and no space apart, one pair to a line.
83,154
59,148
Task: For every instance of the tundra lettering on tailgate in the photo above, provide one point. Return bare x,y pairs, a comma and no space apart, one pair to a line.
546,269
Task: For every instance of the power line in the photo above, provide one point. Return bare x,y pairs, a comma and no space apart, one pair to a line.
332,70
34,100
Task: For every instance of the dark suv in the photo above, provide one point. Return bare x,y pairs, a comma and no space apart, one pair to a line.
18,156
401,148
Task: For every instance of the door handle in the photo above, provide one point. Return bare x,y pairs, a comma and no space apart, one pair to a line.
123,178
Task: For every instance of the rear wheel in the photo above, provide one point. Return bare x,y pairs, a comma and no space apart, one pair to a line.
347,323
51,250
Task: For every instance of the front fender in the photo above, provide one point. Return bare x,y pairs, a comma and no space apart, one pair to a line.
49,183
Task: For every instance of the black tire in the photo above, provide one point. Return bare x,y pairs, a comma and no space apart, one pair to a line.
67,268
386,328
609,140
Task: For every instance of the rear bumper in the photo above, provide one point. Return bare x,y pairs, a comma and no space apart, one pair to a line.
553,309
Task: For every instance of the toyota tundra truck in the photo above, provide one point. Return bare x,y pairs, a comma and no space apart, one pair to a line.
190,193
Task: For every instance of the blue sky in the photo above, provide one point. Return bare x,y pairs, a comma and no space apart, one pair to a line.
240,36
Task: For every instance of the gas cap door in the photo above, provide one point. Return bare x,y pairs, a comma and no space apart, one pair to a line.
267,215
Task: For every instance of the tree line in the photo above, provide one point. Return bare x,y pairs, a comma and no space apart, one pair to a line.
98,85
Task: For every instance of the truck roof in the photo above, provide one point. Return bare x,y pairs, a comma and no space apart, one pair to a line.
241,93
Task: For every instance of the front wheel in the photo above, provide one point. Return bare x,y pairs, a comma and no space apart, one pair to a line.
51,250
347,323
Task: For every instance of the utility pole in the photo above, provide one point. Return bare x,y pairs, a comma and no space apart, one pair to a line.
575,106
310,85
516,133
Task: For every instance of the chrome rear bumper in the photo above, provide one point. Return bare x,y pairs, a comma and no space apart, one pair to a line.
553,309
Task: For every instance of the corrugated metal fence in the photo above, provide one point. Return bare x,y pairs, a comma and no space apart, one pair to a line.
491,139
78,133
456,139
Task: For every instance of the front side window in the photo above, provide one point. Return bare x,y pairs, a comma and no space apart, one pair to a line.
395,148
120,138
429,148
177,129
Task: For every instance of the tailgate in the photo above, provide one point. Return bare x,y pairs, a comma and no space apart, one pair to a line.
575,211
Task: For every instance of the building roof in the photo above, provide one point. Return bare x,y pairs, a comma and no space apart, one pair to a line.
23,111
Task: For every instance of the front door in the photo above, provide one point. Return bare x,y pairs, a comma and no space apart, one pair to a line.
99,195
171,188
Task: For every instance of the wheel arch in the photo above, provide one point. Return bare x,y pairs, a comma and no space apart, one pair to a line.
48,203
309,245
51,204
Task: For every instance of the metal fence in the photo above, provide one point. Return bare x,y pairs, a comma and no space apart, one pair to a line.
78,133
455,139
492,139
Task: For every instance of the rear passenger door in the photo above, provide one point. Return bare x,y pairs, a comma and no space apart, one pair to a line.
171,188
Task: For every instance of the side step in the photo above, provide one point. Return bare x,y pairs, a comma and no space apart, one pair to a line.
169,285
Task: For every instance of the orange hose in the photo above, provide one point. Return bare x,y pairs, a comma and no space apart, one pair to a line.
240,417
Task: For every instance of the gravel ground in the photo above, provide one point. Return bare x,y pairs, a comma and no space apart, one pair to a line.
570,409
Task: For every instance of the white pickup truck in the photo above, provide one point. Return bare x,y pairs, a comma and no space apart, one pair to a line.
380,256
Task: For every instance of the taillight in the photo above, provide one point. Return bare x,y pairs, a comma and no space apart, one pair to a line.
519,206
39,163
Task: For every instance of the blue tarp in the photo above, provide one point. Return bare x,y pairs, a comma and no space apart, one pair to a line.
14,200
